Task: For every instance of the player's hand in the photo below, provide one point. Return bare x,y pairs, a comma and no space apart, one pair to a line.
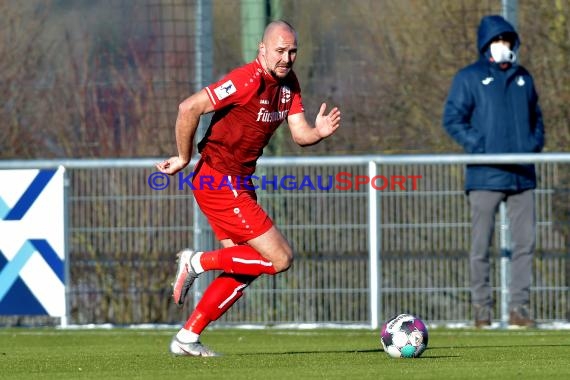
172,166
326,125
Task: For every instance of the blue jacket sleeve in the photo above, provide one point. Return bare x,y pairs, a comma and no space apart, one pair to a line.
538,125
457,116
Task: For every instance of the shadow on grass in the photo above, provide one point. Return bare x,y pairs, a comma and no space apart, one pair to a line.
312,352
378,350
374,350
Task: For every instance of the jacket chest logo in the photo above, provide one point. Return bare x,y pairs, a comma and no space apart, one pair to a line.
520,81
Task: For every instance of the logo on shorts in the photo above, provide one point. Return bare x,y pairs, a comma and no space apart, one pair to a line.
225,90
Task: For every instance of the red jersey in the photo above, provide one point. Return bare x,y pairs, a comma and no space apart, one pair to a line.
249,105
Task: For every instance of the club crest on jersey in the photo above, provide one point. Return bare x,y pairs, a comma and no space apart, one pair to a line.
225,90
285,94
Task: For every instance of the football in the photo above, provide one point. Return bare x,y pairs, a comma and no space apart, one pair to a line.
404,336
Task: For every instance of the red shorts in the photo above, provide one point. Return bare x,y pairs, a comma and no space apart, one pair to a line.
230,207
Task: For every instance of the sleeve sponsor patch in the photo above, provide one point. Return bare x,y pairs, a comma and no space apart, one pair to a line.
225,90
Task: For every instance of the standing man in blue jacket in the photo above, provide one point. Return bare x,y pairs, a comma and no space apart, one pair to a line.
492,107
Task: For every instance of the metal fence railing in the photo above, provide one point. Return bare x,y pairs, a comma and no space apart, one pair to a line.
363,252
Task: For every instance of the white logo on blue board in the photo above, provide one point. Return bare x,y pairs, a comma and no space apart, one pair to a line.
32,260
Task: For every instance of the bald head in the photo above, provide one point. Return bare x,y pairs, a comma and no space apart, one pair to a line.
276,27
278,49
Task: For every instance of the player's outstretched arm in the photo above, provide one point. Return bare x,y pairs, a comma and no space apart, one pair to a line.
189,113
325,125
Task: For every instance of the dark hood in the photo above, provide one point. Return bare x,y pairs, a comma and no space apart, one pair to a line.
492,26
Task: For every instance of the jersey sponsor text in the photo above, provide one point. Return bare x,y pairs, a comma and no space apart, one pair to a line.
269,117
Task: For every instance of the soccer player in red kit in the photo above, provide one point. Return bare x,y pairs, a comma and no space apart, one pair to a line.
248,104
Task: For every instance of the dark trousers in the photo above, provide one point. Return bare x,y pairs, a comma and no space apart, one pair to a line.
522,228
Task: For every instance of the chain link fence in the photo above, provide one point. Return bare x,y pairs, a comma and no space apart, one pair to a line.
123,238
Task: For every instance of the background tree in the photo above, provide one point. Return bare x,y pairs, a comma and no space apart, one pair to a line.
104,78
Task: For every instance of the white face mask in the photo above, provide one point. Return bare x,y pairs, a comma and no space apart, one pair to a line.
501,53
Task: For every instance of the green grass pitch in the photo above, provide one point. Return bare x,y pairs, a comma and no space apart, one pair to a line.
47,353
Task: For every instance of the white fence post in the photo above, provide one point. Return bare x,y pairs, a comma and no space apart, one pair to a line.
373,248
505,264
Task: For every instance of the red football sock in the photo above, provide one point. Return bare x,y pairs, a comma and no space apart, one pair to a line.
239,259
197,322
220,295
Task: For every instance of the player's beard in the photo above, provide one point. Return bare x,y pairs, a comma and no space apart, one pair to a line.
273,71
275,75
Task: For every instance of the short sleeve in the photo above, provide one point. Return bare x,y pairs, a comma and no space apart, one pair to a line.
297,101
232,89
